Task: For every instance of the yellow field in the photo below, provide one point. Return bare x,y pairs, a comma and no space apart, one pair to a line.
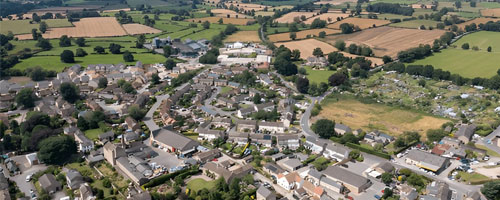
377,116
301,34
288,18
243,36
477,21
336,2
328,17
492,12
362,23
134,29
214,20
247,6
222,11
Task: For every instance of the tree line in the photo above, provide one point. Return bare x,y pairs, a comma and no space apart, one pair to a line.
390,8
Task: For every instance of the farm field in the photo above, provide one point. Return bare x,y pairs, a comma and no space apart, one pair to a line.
416,24
355,114
301,34
318,76
388,16
493,12
477,21
362,23
388,40
222,11
337,2
86,27
325,16
243,36
264,13
288,18
247,6
135,29
234,21
24,26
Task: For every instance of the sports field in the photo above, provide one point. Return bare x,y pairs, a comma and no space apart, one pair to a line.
355,114
469,63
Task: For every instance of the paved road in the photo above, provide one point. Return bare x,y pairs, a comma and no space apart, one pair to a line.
20,179
208,102
277,188
490,137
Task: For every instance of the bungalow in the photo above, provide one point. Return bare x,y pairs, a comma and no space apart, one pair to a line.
132,124
220,171
314,145
273,127
341,129
290,141
354,182
49,183
204,157
246,125
208,134
173,142
427,160
244,112
377,137
273,169
336,151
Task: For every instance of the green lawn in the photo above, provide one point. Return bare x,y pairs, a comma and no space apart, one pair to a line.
472,177
225,89
318,76
198,184
24,26
93,133
469,63
416,24
488,151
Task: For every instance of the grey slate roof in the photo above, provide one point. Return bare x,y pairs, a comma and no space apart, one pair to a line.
427,159
345,176
175,140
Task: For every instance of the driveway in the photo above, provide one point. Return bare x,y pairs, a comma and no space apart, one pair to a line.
20,179
166,159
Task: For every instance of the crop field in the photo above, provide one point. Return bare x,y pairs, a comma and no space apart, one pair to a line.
301,34
135,29
264,13
243,36
307,46
477,21
388,40
234,21
328,17
24,26
362,23
355,114
247,6
494,12
86,27
469,63
222,11
416,24
288,18
336,2
284,3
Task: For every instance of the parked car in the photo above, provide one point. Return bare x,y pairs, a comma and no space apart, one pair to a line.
377,196
28,178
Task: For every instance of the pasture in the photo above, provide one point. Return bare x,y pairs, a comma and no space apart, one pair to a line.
136,29
301,34
25,27
493,12
477,21
388,40
243,36
247,6
362,23
469,63
336,2
416,24
289,17
356,114
328,17
214,20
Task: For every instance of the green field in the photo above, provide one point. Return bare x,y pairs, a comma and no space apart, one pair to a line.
469,63
416,24
318,76
198,184
24,26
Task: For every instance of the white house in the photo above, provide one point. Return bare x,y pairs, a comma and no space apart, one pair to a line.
314,145
335,151
287,181
84,143
273,127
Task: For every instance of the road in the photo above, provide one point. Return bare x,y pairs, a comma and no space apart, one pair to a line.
277,188
208,102
490,138
20,179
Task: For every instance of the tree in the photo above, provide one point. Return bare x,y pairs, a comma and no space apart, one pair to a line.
128,57
155,79
489,49
57,149
35,34
64,41
465,46
293,35
103,82
346,28
491,190
415,180
67,56
354,154
220,21
340,45
257,99
324,128
26,98
302,84
458,4
80,52
44,44
170,64
43,27
337,79
435,135
318,52
80,42
296,54
136,112
167,51
206,25
69,92
36,18
322,34
387,178
422,82
472,4
37,74
115,48
386,59
99,49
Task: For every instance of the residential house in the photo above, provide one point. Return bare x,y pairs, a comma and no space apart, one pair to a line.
384,167
238,137
377,137
316,61
437,190
465,132
314,145
107,136
290,141
49,183
245,112
173,142
453,142
341,129
208,134
273,169
427,160
336,151
287,181
32,159
132,123
222,122
268,107
272,127
204,157
86,192
246,125
228,174
331,184
74,179
261,139
264,194
226,103
407,192
292,164
84,143
278,156
354,182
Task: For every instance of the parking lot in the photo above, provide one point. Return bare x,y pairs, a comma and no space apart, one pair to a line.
26,170
165,159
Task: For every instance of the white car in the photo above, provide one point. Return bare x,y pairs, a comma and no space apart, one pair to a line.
28,178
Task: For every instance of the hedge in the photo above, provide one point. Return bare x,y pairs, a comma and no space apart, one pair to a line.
406,147
166,177
358,147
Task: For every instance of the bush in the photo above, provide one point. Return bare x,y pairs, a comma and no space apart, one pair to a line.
370,151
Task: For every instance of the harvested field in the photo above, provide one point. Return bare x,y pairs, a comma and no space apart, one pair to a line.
306,48
477,21
86,27
222,11
336,2
288,18
362,23
355,114
388,40
301,34
247,6
325,16
243,36
264,13
117,10
134,29
214,20
493,12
